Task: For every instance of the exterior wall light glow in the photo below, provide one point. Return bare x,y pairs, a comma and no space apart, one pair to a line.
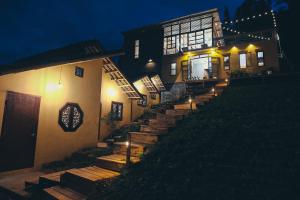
51,87
111,92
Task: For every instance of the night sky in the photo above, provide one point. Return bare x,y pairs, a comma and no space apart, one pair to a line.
28,27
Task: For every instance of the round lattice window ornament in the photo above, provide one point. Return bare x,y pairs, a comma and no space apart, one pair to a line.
70,117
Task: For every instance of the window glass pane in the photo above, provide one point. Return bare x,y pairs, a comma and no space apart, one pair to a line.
165,46
185,27
226,62
195,25
137,49
208,37
206,23
175,29
167,31
184,41
243,60
260,58
173,69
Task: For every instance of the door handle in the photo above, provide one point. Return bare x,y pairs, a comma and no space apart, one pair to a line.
33,134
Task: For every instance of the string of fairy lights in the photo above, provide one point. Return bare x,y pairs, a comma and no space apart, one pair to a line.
254,17
248,34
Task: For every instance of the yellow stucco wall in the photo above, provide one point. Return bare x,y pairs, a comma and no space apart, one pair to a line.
139,110
52,142
112,92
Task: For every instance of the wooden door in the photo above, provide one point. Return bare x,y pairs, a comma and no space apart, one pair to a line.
19,131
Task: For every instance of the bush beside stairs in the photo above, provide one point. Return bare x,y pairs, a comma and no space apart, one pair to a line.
79,183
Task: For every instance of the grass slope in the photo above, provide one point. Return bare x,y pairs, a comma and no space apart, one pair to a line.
244,145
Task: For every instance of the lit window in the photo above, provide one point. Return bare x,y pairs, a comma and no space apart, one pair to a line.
227,62
142,101
243,60
117,111
173,69
208,37
79,72
153,96
260,59
137,49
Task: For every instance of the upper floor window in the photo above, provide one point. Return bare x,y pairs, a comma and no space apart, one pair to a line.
243,60
227,62
193,33
79,72
260,58
173,69
136,49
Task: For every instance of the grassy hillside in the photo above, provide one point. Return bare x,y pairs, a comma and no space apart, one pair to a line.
243,145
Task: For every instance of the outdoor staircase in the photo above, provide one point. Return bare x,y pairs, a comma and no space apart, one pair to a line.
79,183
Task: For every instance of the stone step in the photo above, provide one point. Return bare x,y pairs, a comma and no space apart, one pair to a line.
161,116
203,98
151,129
114,162
102,145
63,193
178,112
146,138
51,179
31,185
87,180
221,85
161,123
166,119
137,149
185,106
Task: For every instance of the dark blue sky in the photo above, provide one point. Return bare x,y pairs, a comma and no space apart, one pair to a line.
32,26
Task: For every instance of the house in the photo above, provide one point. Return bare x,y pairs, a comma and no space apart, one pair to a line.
53,104
193,49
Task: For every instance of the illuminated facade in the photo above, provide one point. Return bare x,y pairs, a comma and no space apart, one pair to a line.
58,102
193,48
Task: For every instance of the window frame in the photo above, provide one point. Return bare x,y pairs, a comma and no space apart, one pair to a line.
136,49
172,70
143,102
243,53
263,58
79,72
117,118
226,67
192,36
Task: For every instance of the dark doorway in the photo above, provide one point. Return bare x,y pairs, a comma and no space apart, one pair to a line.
19,131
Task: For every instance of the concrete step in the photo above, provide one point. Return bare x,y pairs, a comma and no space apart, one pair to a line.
161,123
204,98
178,112
87,180
102,145
221,85
114,162
137,149
146,138
63,193
161,116
185,106
51,179
151,129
